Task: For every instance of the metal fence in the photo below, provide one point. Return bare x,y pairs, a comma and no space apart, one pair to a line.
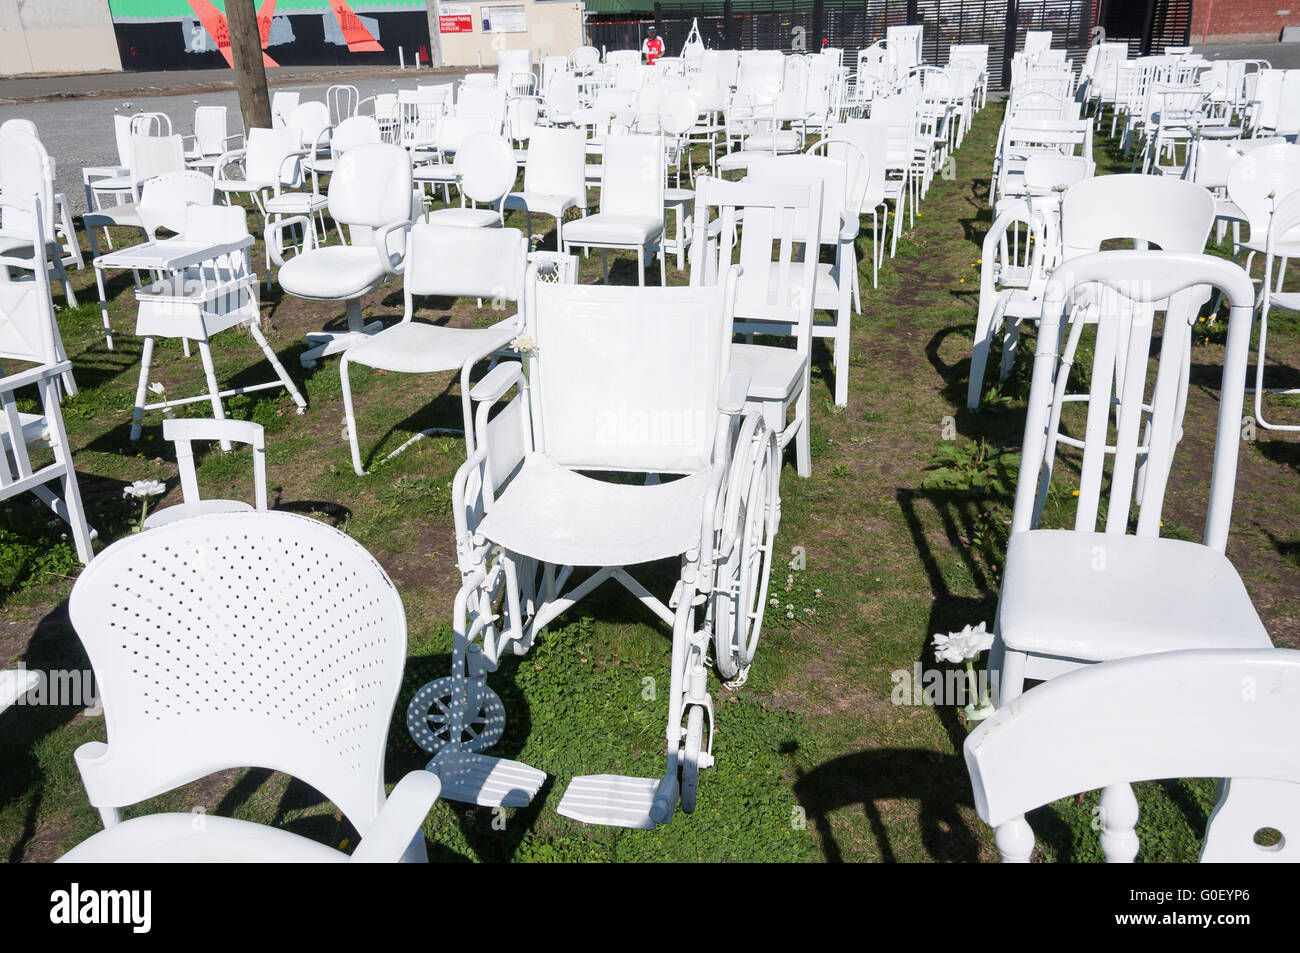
806,25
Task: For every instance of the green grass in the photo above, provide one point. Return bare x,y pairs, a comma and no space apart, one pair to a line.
899,534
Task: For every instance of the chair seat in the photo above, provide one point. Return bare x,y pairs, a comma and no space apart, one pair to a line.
186,510
34,428
548,203
333,273
412,348
560,516
606,227
465,217
775,373
786,141
191,838
673,196
1153,595
295,203
435,173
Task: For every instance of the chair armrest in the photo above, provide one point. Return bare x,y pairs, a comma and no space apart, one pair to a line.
496,382
232,157
276,248
381,247
33,375
733,393
392,837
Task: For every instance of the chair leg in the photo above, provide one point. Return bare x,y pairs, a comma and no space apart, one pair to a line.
803,439
346,380
142,388
663,264
604,265
640,267
103,303
255,329
210,373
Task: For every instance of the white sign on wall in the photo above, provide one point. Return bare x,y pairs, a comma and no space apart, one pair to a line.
504,19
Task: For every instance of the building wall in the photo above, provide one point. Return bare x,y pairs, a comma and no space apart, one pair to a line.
56,36
1242,21
554,28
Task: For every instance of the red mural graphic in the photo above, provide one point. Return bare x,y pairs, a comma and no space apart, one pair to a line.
358,37
214,21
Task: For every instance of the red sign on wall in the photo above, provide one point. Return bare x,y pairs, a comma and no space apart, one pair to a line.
455,20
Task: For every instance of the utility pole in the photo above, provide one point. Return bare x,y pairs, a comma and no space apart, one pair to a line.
435,35
250,75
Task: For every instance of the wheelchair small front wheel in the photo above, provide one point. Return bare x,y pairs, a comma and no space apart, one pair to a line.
691,757
429,718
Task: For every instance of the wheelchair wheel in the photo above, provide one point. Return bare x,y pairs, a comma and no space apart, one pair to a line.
749,525
691,757
428,719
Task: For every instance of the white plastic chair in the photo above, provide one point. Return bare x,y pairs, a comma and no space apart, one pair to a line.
554,179
1075,597
1190,714
485,171
773,295
205,285
29,333
444,261
272,158
182,432
255,703
283,103
631,215
619,379
211,140
370,193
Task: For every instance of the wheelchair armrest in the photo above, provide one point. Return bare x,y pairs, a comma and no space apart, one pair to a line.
395,834
497,381
276,248
732,395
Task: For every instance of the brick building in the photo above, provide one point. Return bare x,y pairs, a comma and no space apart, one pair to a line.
1242,21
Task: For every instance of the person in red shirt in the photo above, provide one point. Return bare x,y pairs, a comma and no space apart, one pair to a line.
653,47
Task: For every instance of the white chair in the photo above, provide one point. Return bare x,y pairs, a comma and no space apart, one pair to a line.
272,159
205,285
773,295
1283,234
631,215
182,432
63,225
453,132
554,179
485,171
871,137
283,103
618,379
29,334
232,690
444,262
1192,714
211,140
26,171
343,102
839,228
370,193
1075,597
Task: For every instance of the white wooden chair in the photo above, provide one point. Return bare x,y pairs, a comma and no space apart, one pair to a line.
1075,597
232,690
1190,714
618,380
182,432
29,334
205,285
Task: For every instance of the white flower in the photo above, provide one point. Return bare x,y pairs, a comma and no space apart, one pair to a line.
157,388
523,343
144,488
963,645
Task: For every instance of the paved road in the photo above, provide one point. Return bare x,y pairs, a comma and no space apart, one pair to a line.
78,131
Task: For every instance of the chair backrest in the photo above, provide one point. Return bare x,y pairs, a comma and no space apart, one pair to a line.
155,155
512,62
26,174
210,130
845,149
20,125
282,104
871,136
371,186
342,101
446,260
585,58
1260,177
270,156
832,173
722,63
354,131
1046,173
556,163
1129,720
626,378
632,176
183,431
454,130
28,331
1149,209
487,102
311,119
485,165
235,640
618,58
1130,425
777,285
165,200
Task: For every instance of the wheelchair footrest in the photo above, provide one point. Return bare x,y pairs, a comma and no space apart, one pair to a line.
484,780
614,800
